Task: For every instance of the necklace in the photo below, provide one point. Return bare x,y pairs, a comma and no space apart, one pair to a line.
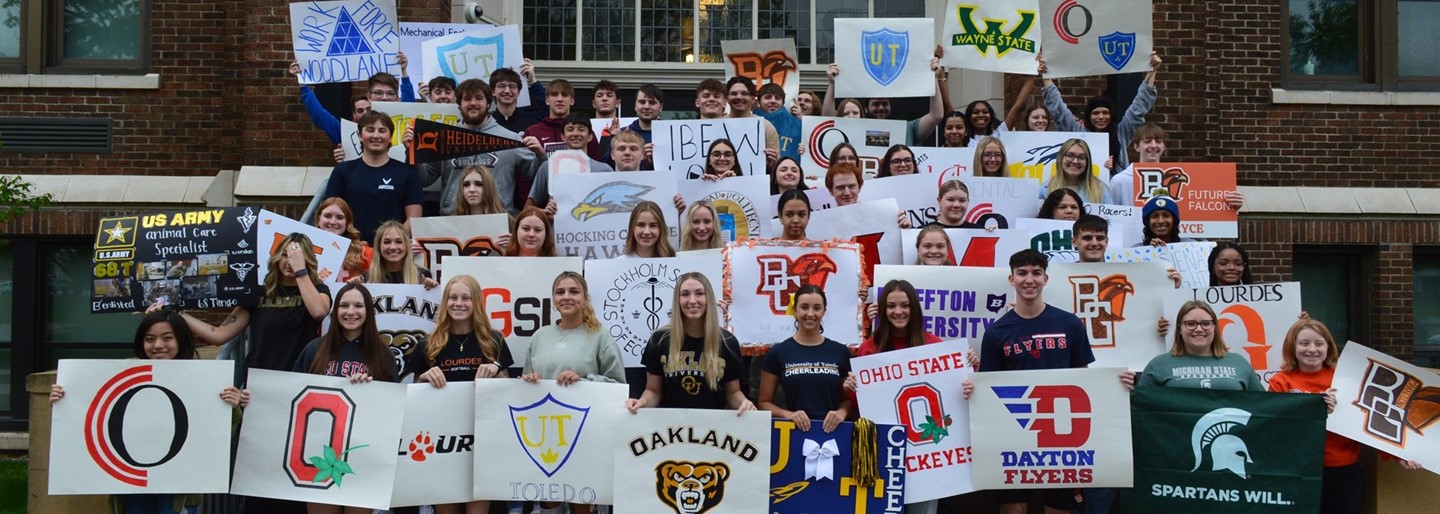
467,338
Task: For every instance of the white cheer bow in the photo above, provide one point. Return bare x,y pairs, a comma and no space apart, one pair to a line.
820,459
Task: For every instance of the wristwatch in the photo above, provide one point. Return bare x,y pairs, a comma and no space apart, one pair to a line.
302,272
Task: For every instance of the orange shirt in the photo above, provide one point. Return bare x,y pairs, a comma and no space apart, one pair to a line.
1339,451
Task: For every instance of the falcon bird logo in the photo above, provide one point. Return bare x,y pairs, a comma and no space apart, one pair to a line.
1174,181
1114,289
614,197
781,276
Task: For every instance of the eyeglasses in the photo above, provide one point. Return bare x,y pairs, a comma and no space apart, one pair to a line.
1077,156
723,155
903,160
1230,264
383,93
992,155
1192,325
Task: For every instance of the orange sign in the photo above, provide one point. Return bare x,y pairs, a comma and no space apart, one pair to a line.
1199,189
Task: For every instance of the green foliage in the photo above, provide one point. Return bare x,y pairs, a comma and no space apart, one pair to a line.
330,465
934,431
13,476
16,198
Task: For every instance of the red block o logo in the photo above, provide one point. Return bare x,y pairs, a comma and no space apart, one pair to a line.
326,401
910,394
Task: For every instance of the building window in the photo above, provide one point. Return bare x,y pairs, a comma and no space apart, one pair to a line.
75,36
1427,312
689,30
1335,284
7,319
1361,44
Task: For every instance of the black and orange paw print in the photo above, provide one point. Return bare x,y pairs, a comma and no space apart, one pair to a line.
421,446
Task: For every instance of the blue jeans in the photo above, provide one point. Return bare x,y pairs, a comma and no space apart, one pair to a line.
153,504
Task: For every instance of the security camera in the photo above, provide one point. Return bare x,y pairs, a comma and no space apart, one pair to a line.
473,12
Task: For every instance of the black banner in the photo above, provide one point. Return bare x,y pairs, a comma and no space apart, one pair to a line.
192,259
434,141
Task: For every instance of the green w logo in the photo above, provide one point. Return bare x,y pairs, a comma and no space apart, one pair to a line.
993,35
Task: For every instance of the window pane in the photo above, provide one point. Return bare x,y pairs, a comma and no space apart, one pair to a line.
68,303
668,33
102,29
609,33
1325,281
722,20
786,18
7,293
1418,53
1427,311
899,8
9,28
825,25
549,29
4,379
1324,37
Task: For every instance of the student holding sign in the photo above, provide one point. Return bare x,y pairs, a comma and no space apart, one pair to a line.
648,236
809,366
932,247
162,335
395,266
461,323
954,132
287,317
388,189
787,175
1074,172
508,87
1310,356
576,347
334,217
1228,265
954,202
534,235
1198,358
898,160
720,160
699,231
1161,216
980,121
1149,146
920,129
352,347
477,195
693,363
1099,112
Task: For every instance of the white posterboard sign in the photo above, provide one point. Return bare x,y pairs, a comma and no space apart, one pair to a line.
516,293
634,297
344,40
1051,429
1253,319
919,388
1036,155
998,201
474,54
912,194
319,439
972,246
436,461
1387,404
870,137
764,61
742,205
681,146
140,426
545,442
992,36
593,215
1119,305
884,57
958,302
761,275
413,33
692,460
1095,37
442,237
329,248
1190,259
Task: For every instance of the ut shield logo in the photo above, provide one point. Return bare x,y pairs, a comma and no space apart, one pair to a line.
486,52
1117,48
548,430
1038,409
885,52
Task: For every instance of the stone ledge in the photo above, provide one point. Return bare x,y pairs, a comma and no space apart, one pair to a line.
1285,96
16,80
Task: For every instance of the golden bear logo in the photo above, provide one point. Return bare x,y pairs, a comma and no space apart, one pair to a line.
691,487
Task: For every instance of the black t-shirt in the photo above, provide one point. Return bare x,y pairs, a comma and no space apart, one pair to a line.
811,376
280,327
376,194
460,357
398,277
1055,339
350,361
686,387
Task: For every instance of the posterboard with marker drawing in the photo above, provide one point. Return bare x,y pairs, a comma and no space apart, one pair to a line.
345,40
1119,305
635,297
593,216
692,460
475,54
761,276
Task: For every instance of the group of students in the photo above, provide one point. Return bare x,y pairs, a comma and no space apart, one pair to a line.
692,362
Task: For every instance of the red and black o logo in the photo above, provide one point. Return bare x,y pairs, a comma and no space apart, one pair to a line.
313,406
105,426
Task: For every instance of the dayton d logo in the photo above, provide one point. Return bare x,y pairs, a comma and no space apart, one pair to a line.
994,35
1227,450
617,197
549,430
1171,180
885,52
1395,402
1034,408
780,276
1100,304
691,487
486,52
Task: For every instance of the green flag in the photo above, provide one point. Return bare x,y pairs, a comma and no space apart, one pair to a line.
1202,450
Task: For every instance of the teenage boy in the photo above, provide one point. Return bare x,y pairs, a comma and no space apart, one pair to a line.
508,167
381,188
649,103
1148,145
440,90
606,99
560,97
380,87
787,126
627,150
1033,335
577,137
505,83
740,93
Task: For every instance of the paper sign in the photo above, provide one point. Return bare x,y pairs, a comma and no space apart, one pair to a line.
344,40
634,297
594,210
997,201
516,293
681,146
1036,155
438,142
329,248
1119,305
992,36
436,461
1199,190
1094,37
1252,318
474,54
764,61
742,205
1190,259
1387,404
761,277
958,302
871,138
870,224
912,194
193,259
812,471
443,237
884,57
414,33
692,460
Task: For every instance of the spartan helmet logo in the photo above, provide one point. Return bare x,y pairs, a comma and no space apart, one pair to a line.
1227,450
